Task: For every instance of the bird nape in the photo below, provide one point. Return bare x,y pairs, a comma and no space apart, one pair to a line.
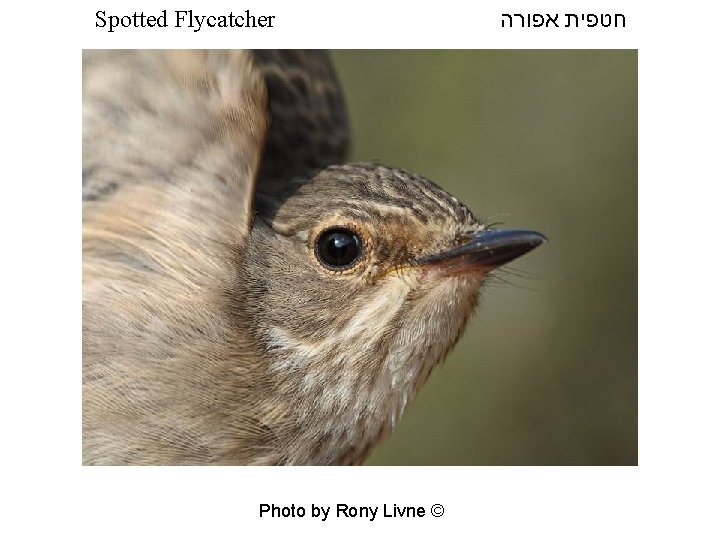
248,298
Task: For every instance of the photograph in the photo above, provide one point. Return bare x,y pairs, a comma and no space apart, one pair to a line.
346,257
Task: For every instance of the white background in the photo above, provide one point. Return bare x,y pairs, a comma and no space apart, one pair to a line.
672,493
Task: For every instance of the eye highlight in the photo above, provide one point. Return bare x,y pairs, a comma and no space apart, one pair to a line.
338,248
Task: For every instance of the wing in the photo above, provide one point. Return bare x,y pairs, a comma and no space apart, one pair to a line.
166,121
309,123
172,143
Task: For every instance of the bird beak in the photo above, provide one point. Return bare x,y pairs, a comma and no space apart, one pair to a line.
484,251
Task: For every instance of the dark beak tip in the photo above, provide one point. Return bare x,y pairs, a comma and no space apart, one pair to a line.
511,236
496,247
491,248
539,239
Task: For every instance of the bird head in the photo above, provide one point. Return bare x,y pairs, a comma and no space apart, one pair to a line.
361,278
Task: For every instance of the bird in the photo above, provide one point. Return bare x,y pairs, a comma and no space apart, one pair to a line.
249,296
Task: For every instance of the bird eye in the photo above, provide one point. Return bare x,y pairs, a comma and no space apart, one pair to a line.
338,248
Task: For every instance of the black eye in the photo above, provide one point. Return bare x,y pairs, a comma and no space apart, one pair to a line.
338,248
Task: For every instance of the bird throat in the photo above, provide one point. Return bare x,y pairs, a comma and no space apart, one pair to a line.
348,390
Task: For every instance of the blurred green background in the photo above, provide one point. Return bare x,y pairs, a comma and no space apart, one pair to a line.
546,373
